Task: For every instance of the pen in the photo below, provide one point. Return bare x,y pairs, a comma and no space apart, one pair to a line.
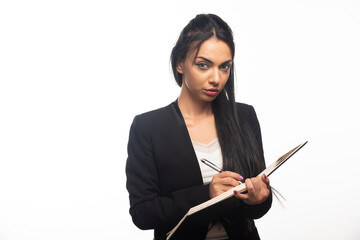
216,168
210,164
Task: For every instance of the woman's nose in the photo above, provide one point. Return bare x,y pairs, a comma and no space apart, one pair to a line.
215,77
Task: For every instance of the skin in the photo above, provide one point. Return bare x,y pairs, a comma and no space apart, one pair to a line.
203,74
210,69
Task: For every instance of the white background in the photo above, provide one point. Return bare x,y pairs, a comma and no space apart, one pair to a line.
73,74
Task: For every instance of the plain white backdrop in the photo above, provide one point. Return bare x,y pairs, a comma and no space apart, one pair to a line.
73,74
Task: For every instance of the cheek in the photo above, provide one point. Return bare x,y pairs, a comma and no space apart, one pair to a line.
188,81
192,80
225,79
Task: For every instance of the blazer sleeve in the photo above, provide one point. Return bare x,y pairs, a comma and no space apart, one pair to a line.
149,208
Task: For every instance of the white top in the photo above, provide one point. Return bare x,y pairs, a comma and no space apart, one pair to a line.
212,153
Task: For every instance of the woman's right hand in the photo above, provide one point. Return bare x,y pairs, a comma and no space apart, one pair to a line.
222,182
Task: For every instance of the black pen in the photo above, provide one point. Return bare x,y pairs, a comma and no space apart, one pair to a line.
210,164
213,166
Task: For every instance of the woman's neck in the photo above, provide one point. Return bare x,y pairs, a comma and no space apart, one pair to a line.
192,108
199,118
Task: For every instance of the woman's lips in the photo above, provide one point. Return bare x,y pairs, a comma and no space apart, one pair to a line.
212,91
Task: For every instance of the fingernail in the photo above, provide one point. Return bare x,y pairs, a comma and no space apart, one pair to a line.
265,176
235,192
241,178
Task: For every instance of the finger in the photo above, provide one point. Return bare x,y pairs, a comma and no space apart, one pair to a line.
257,191
241,196
261,184
233,175
250,186
266,180
227,181
244,196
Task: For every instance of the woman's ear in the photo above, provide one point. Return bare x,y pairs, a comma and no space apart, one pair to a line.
179,68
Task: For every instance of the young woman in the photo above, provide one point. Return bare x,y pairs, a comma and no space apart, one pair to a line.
165,176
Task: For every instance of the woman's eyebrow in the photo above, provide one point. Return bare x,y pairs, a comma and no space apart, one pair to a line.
205,59
208,60
228,61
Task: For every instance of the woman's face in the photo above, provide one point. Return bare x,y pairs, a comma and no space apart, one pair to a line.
205,75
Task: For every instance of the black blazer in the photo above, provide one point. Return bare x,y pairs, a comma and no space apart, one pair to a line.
164,179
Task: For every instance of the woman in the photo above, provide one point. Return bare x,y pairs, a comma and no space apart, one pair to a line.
165,176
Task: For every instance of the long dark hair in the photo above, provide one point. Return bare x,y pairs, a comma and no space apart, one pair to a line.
238,144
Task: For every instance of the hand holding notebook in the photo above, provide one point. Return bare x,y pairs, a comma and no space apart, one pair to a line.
241,188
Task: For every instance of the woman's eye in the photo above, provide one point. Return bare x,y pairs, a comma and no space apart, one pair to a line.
202,65
226,67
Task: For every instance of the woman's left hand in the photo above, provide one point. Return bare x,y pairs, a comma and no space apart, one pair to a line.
258,190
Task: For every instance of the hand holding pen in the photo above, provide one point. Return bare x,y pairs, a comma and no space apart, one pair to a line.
258,187
222,181
216,168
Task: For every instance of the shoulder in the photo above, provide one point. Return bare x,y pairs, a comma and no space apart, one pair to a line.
246,111
154,117
155,126
155,114
244,107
